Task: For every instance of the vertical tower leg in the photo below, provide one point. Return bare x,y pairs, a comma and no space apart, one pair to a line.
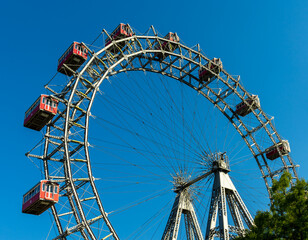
182,205
222,214
171,230
224,193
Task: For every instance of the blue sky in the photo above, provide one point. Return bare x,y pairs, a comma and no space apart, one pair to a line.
265,42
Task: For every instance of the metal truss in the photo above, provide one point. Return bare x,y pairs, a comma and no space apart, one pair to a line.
66,159
225,194
182,206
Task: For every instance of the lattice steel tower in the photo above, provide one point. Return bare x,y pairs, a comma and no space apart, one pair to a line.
224,196
182,205
224,193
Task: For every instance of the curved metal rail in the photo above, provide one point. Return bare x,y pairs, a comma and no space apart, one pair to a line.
66,155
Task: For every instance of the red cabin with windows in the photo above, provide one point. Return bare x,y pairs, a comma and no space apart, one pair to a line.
73,57
41,197
215,65
243,109
41,112
273,153
167,46
122,31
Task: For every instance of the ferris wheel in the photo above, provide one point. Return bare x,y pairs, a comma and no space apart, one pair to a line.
152,150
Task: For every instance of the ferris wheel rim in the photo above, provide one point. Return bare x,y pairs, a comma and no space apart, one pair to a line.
110,72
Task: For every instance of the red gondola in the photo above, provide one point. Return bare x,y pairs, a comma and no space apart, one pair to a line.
243,109
273,153
167,46
73,57
215,65
41,112
41,197
122,31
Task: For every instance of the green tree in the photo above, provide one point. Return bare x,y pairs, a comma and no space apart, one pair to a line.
288,214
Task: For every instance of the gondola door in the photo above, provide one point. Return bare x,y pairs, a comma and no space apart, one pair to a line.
47,104
49,192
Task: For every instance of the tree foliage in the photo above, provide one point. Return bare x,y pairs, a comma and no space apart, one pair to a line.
288,214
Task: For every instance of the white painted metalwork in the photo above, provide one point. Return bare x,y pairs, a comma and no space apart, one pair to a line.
66,157
224,193
182,206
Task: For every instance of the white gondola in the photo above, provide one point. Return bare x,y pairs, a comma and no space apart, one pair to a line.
167,46
244,108
215,65
273,153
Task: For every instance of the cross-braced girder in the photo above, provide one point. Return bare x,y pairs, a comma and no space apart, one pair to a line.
66,156
224,197
182,206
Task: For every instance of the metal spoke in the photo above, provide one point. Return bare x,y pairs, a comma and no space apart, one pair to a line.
66,156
